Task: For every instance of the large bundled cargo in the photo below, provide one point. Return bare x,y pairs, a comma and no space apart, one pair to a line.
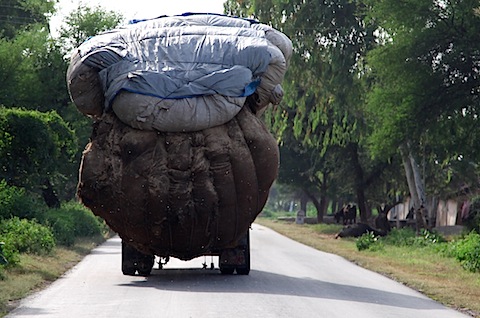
179,164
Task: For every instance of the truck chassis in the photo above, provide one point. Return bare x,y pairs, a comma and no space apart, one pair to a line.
230,259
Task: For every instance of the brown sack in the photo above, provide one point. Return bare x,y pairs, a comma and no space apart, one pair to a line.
85,88
179,194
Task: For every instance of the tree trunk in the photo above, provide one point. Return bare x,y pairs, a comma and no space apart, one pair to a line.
319,204
359,182
304,197
336,206
415,186
49,195
381,221
321,211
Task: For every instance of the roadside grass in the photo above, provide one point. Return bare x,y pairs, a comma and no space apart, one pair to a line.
35,272
423,269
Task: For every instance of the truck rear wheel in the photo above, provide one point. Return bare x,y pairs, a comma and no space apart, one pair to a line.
134,261
236,259
244,269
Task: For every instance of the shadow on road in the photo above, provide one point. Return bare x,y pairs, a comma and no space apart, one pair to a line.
260,282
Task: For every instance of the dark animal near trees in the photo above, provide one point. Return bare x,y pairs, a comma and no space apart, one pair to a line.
339,216
351,214
348,214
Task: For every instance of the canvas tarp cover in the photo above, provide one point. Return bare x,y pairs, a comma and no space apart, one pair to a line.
187,57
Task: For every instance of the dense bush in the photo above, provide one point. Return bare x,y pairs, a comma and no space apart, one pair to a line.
472,222
399,237
268,212
407,237
73,220
16,201
368,241
10,254
62,227
35,147
467,251
25,236
54,226
69,221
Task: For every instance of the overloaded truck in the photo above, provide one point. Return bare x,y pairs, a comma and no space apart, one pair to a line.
179,163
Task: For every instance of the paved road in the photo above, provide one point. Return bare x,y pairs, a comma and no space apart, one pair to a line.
288,279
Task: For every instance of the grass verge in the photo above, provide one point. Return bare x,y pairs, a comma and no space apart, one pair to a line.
438,277
35,272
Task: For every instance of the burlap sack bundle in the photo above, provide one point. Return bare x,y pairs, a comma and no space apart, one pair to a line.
85,88
179,194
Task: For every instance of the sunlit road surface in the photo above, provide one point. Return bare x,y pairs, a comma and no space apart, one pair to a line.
287,279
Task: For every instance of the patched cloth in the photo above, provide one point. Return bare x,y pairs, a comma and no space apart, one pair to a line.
179,194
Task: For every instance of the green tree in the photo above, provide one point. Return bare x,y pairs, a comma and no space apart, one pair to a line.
297,171
85,22
32,77
79,25
17,14
32,71
323,106
36,151
424,94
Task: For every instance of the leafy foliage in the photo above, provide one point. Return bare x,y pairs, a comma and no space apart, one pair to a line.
85,22
16,201
472,222
72,220
368,241
54,226
467,251
424,80
32,71
10,255
321,118
26,236
34,147
3,260
17,14
427,238
32,77
399,237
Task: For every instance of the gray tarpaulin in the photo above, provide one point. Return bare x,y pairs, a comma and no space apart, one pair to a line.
180,57
179,73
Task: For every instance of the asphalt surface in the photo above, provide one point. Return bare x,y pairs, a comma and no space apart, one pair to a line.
287,279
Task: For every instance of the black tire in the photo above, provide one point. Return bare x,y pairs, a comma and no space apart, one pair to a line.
128,264
133,261
128,271
144,273
245,269
145,265
227,270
